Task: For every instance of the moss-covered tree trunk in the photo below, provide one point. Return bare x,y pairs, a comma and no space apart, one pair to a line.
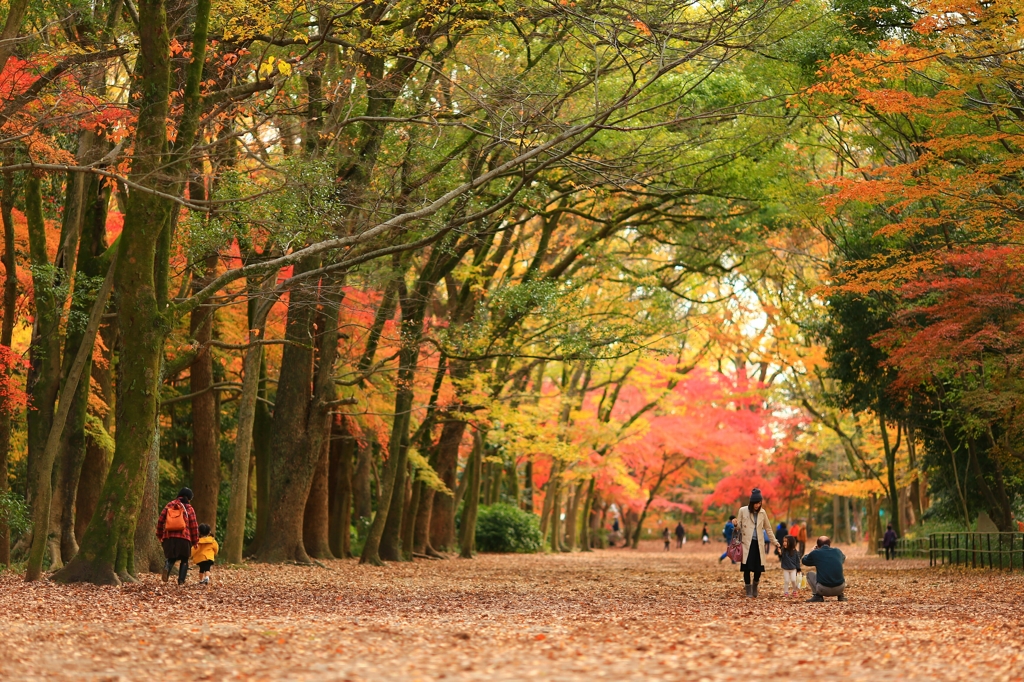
90,264
106,553
43,384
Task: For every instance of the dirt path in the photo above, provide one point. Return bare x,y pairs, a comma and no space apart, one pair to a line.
614,614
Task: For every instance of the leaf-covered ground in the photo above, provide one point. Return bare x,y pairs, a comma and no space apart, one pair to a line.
613,614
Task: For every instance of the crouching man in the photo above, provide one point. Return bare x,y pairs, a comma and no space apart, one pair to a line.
828,580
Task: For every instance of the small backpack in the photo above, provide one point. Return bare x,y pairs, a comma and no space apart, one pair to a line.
176,518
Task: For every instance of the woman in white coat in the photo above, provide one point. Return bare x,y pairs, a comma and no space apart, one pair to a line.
752,523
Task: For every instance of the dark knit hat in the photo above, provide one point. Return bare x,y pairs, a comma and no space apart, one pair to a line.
755,496
185,493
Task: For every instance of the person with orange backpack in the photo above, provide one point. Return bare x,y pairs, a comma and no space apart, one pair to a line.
178,532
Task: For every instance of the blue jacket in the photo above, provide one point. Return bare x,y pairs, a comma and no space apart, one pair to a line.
730,528
829,562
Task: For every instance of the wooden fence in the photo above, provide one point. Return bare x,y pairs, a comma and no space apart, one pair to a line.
977,550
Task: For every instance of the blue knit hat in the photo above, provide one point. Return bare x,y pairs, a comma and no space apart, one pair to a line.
755,496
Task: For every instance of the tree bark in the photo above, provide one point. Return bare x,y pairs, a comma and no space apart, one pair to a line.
234,537
147,552
262,428
890,466
409,516
205,420
413,311
316,520
41,512
361,493
467,539
301,416
343,446
6,334
107,544
291,465
90,262
43,381
442,516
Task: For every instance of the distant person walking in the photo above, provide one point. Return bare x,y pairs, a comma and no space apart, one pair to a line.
704,537
178,533
727,533
752,524
666,537
799,531
889,543
680,535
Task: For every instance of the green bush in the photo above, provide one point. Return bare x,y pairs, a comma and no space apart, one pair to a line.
507,528
14,512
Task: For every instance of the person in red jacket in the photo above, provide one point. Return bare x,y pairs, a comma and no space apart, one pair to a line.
178,532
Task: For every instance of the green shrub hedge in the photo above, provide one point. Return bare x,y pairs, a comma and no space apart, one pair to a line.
506,528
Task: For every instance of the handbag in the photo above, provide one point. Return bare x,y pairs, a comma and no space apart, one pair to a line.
735,551
803,582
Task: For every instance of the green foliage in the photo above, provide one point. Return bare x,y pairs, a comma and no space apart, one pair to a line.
14,512
505,528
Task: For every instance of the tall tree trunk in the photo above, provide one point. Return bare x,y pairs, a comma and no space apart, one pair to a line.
234,537
421,527
572,517
262,429
890,466
99,445
467,539
44,371
915,483
555,491
413,310
316,520
585,522
528,485
6,333
42,509
205,420
91,248
107,545
147,552
409,517
391,539
442,516
361,493
343,448
291,465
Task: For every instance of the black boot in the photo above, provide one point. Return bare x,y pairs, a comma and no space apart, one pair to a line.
816,598
754,591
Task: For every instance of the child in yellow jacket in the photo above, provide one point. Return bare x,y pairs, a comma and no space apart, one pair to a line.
204,553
